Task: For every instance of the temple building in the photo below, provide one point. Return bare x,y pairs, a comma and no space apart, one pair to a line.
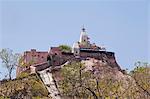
84,44
55,57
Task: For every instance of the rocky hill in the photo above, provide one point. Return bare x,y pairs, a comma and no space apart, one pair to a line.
93,78
82,79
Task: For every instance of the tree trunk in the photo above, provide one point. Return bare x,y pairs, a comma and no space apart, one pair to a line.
93,93
10,71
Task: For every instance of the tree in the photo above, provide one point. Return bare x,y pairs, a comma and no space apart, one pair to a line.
76,82
141,75
65,48
9,60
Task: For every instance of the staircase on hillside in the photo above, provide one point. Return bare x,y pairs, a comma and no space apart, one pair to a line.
49,82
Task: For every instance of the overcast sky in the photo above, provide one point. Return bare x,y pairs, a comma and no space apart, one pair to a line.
122,26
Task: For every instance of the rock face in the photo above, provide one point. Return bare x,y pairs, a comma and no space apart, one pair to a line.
103,69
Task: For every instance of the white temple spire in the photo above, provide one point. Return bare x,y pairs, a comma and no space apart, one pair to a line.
83,36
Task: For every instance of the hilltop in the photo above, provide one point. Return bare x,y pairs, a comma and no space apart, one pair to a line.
82,78
84,70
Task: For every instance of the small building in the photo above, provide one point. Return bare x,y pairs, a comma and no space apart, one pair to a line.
29,58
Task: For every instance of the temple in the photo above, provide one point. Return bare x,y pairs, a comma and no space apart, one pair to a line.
84,44
55,57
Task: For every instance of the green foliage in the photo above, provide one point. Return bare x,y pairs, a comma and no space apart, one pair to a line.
2,97
36,97
30,85
23,74
75,81
141,75
37,88
65,48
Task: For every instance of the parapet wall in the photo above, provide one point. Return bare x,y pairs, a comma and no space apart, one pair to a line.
104,56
